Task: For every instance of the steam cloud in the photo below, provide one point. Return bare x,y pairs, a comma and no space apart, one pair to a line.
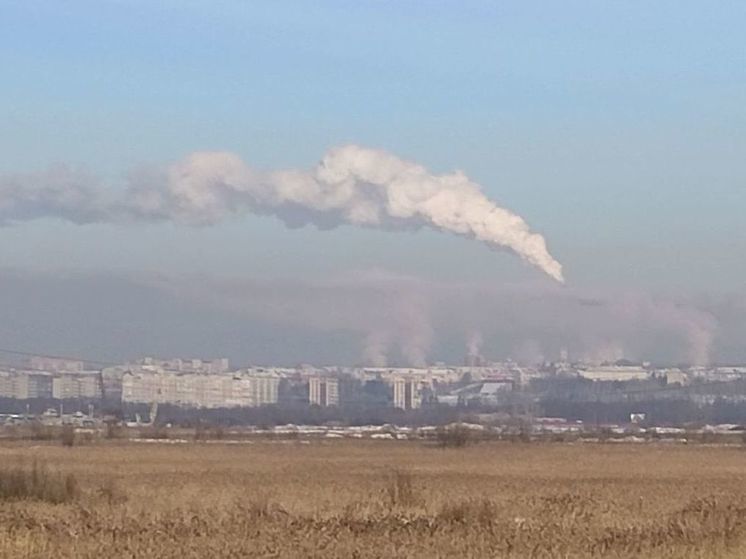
474,344
402,319
351,185
370,317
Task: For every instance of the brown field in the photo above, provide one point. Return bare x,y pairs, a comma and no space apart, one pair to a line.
374,499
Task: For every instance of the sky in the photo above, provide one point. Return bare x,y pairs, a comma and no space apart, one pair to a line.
615,129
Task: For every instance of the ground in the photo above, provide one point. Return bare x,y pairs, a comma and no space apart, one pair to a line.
344,498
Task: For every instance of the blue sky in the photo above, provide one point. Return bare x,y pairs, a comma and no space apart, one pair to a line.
617,129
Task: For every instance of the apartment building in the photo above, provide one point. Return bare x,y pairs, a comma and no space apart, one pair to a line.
83,384
323,391
200,389
23,385
407,394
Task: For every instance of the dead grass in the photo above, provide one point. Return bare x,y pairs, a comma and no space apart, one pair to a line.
36,482
382,499
400,490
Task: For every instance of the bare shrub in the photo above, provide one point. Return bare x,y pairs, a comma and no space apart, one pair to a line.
37,483
201,433
111,492
67,435
40,432
86,437
481,512
523,435
113,429
708,437
400,490
262,507
209,433
453,436
566,437
154,432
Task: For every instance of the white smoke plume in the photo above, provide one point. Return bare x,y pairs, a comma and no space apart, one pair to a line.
60,192
474,348
364,317
407,320
416,330
351,185
474,344
606,352
376,350
528,352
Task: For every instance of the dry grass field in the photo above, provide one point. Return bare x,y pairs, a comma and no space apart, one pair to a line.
371,499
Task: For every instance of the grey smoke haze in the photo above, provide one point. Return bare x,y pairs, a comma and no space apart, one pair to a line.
351,185
370,317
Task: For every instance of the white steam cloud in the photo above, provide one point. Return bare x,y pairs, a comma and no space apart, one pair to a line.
370,317
474,344
408,320
351,185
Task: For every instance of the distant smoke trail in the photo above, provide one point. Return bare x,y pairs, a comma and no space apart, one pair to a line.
474,345
59,192
376,349
351,184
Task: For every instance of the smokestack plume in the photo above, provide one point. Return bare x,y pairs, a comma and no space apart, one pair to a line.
351,185
473,349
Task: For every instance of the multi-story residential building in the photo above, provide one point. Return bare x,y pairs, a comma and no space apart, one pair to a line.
23,385
323,391
406,394
6,384
39,386
13,385
221,365
84,384
28,384
55,364
200,389
111,381
264,389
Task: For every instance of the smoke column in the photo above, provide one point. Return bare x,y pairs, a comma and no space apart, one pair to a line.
351,185
474,347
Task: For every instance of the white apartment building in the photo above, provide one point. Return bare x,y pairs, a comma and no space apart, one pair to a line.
221,365
200,389
55,364
263,388
323,391
14,384
23,385
407,394
84,384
